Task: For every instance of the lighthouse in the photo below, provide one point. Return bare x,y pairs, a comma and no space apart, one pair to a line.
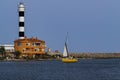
21,10
27,46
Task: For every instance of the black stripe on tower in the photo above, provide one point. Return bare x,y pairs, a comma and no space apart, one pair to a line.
21,13
21,24
21,34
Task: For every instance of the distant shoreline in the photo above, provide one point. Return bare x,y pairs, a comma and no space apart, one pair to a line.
24,60
58,56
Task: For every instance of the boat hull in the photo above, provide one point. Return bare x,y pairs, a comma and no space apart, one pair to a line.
68,60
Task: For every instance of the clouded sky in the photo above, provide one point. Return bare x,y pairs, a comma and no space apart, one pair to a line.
93,25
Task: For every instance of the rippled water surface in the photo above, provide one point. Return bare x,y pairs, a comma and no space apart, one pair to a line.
96,69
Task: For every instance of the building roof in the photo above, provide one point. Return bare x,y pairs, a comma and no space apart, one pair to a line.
29,40
7,45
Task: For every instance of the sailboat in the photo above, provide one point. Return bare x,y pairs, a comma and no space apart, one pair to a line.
66,58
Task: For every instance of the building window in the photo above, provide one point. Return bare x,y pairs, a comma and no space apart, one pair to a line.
43,50
37,44
33,44
27,44
19,44
24,49
37,49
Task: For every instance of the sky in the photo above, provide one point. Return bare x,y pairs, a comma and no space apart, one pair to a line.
92,25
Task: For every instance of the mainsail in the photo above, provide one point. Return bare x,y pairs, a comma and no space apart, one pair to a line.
65,52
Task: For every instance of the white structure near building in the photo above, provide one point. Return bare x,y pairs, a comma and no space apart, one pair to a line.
8,47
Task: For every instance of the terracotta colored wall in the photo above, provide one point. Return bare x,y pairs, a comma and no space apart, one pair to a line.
31,49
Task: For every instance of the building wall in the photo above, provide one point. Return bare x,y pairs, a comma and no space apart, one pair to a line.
8,47
30,46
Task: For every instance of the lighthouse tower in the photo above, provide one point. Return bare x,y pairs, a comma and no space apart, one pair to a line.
36,46
21,20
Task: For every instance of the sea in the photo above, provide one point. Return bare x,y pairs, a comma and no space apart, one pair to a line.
84,69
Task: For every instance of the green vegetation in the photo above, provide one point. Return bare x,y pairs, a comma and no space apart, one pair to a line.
2,51
17,54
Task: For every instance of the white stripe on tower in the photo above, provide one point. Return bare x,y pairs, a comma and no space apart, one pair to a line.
21,21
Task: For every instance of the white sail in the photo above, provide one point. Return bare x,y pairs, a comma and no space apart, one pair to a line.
65,52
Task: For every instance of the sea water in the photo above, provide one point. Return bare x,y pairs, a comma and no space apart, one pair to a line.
87,69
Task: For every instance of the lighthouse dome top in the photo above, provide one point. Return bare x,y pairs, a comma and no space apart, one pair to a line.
21,5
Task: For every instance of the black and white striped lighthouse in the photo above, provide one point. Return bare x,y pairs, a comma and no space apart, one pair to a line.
21,20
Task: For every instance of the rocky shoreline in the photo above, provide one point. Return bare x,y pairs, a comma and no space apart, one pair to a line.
58,56
96,55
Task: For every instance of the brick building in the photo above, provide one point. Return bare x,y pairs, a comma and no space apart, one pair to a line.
30,46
